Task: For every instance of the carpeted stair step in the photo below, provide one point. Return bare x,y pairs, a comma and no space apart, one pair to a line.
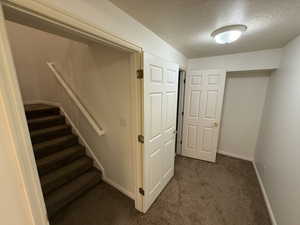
72,190
46,148
59,159
57,178
40,110
45,122
64,169
46,134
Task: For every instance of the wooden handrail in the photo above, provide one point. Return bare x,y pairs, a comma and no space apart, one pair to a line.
76,100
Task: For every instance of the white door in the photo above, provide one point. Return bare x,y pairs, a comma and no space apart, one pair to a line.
202,113
160,106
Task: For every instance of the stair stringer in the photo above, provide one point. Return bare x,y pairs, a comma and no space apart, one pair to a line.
82,141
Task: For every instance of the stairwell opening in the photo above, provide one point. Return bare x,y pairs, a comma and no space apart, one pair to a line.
71,157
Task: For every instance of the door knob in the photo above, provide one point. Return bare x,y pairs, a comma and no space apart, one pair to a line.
216,124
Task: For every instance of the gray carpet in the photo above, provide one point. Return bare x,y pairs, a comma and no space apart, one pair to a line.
201,193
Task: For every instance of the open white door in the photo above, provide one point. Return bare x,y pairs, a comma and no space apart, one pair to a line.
202,113
160,106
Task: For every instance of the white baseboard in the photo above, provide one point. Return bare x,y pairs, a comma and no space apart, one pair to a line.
235,155
266,198
119,187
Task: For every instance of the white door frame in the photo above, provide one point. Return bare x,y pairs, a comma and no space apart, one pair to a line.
22,150
13,105
181,94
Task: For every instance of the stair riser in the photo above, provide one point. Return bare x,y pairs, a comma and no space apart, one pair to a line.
43,152
47,188
42,113
50,135
50,167
46,124
67,173
53,208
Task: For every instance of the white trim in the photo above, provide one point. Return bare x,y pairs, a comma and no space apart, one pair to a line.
136,128
90,152
119,187
97,127
235,155
67,21
266,198
21,151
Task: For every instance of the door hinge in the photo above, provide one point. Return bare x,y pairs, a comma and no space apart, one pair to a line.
142,192
141,139
182,113
181,142
140,74
184,80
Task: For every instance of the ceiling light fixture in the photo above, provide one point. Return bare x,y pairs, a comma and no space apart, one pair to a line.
228,34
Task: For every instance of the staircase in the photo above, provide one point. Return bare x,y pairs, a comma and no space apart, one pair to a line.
65,171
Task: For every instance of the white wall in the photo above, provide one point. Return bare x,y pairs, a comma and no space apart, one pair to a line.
99,75
244,100
258,60
113,20
25,65
278,154
14,207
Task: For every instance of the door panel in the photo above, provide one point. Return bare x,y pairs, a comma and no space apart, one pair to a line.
194,106
192,137
168,154
160,107
203,107
156,114
155,180
211,104
171,101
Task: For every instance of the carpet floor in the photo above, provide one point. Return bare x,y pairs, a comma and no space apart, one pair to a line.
201,193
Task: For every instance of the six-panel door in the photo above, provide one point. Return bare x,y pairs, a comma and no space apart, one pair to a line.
160,108
202,113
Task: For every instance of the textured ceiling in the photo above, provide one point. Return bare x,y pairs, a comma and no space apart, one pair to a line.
187,24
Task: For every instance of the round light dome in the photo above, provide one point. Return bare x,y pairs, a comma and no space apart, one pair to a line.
228,34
